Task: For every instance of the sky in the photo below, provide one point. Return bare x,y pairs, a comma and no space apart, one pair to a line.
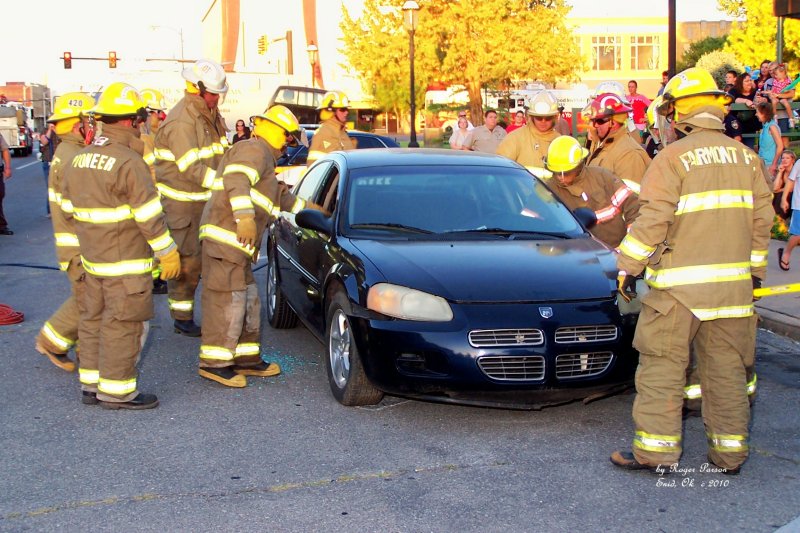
88,28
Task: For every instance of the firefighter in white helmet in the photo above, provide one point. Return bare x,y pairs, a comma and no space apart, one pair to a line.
578,185
60,332
528,145
188,148
615,150
701,240
119,223
246,197
332,133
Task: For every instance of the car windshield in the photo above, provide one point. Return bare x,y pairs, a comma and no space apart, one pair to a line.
422,201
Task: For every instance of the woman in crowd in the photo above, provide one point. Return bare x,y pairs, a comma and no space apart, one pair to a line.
242,132
770,137
744,92
459,135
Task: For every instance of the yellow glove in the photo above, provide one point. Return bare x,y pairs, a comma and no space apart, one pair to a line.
170,265
246,231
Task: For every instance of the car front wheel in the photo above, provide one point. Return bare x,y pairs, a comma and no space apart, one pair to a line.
349,384
279,314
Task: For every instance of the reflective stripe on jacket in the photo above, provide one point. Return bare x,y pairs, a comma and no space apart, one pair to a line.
110,197
704,225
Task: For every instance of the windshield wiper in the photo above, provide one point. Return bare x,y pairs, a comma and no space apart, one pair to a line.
510,232
389,225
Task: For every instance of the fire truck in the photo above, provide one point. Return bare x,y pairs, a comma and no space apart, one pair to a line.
15,130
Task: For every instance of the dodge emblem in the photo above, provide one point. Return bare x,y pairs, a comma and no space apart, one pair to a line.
546,312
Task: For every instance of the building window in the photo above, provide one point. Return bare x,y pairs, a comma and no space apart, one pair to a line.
607,52
645,51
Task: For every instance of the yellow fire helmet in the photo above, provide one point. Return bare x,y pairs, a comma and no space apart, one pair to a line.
332,100
692,88
652,110
71,105
274,124
564,154
119,100
153,100
543,104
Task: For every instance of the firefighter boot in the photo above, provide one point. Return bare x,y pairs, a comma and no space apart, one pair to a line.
627,461
226,376
142,401
262,369
88,397
59,359
187,327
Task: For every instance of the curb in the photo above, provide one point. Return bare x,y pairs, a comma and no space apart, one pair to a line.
779,323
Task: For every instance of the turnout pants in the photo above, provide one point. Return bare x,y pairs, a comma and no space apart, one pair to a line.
183,219
231,315
60,331
723,347
113,330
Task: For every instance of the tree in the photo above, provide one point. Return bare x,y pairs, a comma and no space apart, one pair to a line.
464,42
718,63
753,39
698,49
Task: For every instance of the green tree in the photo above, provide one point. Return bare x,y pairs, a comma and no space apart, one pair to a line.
698,49
753,39
462,42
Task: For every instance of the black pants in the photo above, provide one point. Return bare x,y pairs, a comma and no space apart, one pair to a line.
3,222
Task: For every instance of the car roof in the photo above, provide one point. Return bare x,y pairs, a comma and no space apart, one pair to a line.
422,156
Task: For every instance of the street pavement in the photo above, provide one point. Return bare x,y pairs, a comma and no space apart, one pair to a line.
282,455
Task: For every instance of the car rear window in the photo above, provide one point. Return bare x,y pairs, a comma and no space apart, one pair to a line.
443,199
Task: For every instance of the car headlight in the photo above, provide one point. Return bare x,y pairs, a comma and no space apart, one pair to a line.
408,304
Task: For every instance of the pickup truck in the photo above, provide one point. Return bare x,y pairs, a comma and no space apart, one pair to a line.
16,133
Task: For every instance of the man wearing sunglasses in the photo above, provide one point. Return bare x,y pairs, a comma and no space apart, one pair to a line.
528,145
332,133
615,150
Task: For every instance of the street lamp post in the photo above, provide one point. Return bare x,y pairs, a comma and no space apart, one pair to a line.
313,55
410,14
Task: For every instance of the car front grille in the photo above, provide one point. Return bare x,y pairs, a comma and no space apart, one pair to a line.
507,368
582,334
492,338
581,365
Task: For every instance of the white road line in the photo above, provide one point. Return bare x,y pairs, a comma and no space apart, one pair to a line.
27,165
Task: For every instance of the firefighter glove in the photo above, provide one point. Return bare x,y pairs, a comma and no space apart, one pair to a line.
246,231
756,285
170,265
626,286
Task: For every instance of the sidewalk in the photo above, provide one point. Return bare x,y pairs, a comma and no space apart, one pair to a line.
781,314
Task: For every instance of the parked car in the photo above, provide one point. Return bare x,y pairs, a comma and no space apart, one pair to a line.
448,276
292,165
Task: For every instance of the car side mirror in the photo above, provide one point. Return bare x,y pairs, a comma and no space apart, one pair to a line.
586,217
315,220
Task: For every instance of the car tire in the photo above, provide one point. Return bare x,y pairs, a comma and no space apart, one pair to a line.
279,314
349,384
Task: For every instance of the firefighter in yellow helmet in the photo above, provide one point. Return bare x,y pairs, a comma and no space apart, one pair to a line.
332,134
528,145
188,147
615,150
60,332
246,197
578,185
108,193
156,107
701,241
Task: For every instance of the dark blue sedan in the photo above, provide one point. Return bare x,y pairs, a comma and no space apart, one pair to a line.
448,276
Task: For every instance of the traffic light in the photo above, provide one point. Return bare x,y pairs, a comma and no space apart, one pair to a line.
67,59
262,45
112,60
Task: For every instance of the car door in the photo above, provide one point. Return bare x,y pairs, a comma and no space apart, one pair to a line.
305,252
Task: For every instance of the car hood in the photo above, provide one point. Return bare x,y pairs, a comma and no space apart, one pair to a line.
497,271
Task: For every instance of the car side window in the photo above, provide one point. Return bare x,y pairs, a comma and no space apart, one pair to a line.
310,184
329,193
369,142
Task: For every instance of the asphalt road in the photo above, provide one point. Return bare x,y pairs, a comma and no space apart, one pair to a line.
282,455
